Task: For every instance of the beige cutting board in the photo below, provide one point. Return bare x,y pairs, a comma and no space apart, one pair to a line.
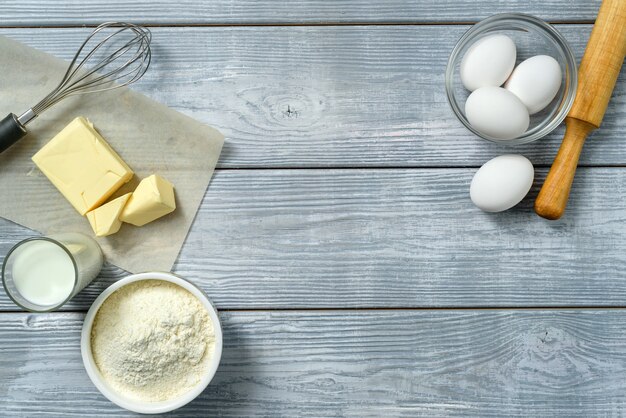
149,136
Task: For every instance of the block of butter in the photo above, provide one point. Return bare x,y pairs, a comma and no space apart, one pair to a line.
105,219
153,198
80,163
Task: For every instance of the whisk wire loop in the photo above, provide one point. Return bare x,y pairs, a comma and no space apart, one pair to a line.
119,59
121,67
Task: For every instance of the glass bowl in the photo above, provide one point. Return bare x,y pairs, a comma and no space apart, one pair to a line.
532,36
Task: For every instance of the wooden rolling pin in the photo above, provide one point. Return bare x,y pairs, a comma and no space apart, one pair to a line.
597,74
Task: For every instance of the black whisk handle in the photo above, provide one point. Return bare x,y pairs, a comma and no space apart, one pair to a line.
11,131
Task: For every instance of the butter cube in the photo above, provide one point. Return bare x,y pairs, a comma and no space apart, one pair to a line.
105,220
153,198
80,163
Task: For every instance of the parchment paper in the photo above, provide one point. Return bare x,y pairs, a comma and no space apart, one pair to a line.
150,137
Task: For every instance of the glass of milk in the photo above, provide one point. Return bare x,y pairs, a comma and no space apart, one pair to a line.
41,274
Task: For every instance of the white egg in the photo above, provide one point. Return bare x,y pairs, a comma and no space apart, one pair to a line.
497,113
502,182
536,81
488,62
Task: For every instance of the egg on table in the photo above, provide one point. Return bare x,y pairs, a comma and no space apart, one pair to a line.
535,81
502,182
488,62
497,113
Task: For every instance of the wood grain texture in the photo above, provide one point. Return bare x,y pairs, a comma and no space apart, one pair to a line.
394,238
331,96
74,12
353,364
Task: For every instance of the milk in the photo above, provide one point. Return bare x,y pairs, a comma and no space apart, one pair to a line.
43,273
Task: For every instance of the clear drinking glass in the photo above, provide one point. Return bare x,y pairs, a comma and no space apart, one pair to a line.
41,274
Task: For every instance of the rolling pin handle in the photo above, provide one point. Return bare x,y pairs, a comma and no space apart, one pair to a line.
553,196
11,131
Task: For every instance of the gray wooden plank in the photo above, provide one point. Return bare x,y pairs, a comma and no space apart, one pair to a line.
74,12
330,96
354,364
394,238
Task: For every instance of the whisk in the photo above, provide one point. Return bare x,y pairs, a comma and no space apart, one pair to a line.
116,54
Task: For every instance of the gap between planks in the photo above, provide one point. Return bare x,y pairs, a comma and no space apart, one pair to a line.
386,309
392,167
282,24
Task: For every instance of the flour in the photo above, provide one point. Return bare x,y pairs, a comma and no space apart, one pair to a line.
152,340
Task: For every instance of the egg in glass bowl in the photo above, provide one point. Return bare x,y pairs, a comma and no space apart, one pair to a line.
511,79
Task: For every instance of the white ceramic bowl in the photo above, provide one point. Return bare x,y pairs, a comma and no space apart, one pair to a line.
118,398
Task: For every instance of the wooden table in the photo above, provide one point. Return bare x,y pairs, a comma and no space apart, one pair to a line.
353,274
